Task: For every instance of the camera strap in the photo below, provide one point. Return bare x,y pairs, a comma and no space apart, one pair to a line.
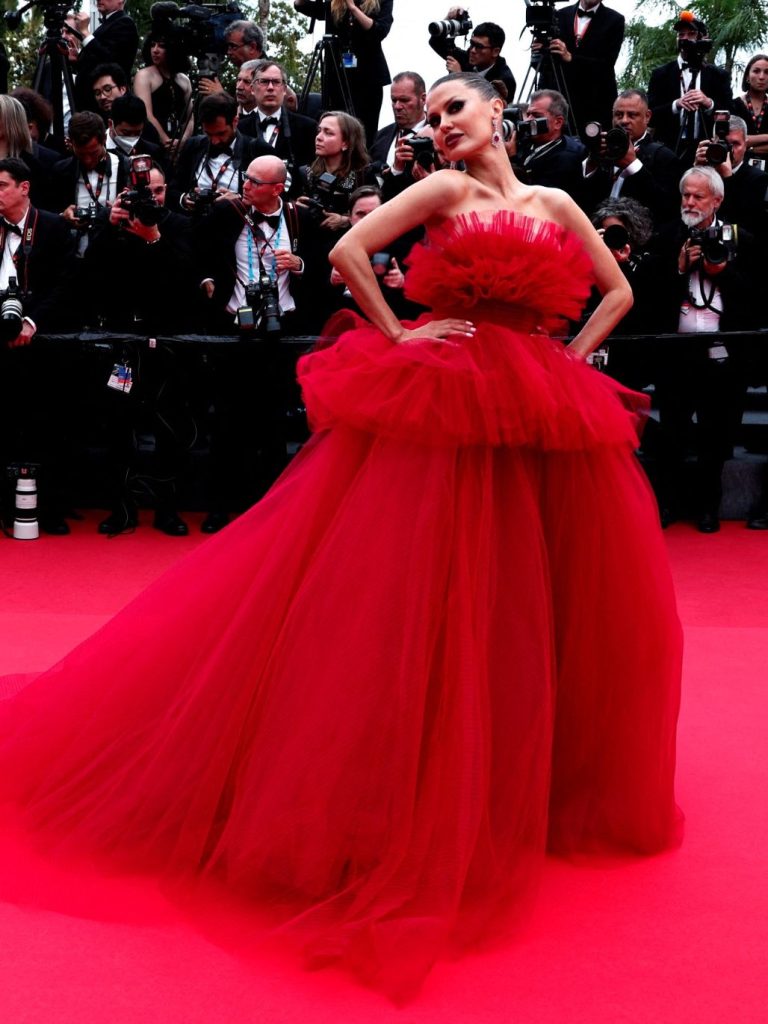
24,248
104,173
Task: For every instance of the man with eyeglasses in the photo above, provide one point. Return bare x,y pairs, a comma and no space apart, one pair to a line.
109,82
290,135
239,243
244,41
482,55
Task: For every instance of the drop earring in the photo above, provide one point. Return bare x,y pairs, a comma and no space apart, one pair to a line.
496,134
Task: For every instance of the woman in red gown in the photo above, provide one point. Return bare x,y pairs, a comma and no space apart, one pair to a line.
446,640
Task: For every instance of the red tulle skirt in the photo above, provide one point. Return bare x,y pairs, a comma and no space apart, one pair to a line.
444,642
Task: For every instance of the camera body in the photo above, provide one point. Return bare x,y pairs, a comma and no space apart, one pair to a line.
325,197
693,51
198,29
262,307
85,216
138,200
531,127
617,143
202,200
451,27
423,151
720,148
11,311
541,19
719,242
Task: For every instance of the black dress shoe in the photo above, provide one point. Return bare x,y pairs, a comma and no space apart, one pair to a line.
57,526
708,523
214,522
170,523
119,520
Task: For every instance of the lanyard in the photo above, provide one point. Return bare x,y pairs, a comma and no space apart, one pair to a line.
25,245
757,119
254,237
215,179
99,184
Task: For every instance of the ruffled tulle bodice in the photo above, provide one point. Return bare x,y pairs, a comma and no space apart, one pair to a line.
519,280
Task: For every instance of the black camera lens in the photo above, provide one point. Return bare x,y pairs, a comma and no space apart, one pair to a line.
616,236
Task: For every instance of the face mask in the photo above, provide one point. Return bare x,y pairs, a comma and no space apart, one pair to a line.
126,142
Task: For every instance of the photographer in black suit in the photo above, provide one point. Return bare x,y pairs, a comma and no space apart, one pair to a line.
116,40
684,94
647,171
744,201
549,157
482,55
587,48
36,251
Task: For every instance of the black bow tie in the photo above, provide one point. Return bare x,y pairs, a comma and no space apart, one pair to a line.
581,13
273,219
14,229
214,151
269,120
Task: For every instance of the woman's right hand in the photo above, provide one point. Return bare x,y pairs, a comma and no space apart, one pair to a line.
438,330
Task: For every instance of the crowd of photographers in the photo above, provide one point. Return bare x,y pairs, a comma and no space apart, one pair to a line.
165,203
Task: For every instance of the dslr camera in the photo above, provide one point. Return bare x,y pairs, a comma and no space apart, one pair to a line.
85,216
720,148
693,51
451,27
541,19
138,200
11,311
616,143
262,307
325,197
719,242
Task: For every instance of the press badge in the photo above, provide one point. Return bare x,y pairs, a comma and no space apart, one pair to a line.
121,378
718,353
348,59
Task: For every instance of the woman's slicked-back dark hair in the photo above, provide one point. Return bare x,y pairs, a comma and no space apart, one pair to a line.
469,78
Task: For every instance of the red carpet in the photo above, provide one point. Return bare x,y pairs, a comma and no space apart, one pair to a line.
679,938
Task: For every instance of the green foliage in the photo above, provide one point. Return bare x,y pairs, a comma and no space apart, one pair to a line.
22,44
285,28
738,28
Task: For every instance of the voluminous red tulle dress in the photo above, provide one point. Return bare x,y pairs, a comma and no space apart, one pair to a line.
444,642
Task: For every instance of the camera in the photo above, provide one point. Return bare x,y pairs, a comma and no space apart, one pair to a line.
531,127
11,311
718,242
262,307
452,27
23,477
198,29
541,19
85,216
138,200
616,236
718,151
380,263
423,151
202,200
693,51
325,197
616,143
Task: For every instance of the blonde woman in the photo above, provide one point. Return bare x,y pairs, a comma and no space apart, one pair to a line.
359,27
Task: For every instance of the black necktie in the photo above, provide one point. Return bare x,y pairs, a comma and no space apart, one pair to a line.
14,229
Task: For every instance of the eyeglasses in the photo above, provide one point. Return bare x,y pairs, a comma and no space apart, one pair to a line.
105,90
266,82
257,181
474,45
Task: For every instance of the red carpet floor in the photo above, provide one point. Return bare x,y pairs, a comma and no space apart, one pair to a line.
679,938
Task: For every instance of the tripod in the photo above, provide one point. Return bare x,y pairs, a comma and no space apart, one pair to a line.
52,64
546,72
334,84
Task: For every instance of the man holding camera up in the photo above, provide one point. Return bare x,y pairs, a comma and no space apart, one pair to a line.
704,375
483,54
684,93
541,153
628,162
391,149
744,201
116,40
245,41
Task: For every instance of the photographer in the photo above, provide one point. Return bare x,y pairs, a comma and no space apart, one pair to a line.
684,93
35,295
705,376
744,199
140,264
116,41
239,245
244,41
547,156
358,28
211,165
589,38
483,53
628,162
88,182
340,166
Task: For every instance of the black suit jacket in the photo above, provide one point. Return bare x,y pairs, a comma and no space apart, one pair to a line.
65,176
655,185
500,71
365,44
745,200
664,89
214,240
380,146
115,41
45,272
557,167
244,149
590,76
295,141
